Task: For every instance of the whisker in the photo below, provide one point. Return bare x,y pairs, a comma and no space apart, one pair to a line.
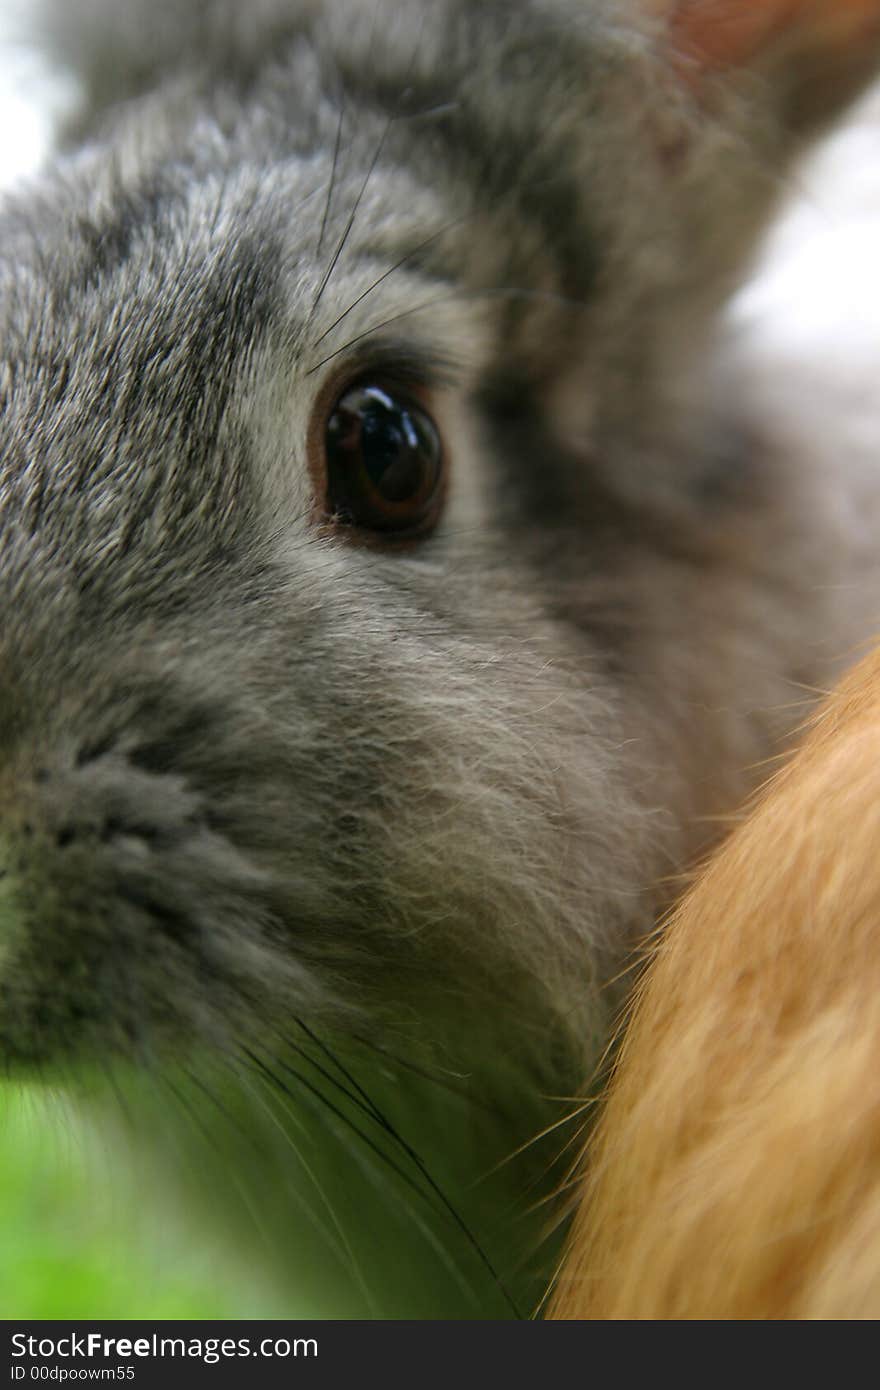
551,1284
404,260
451,1081
512,292
270,1075
191,1113
569,1178
208,1135
415,1158
332,183
224,1110
542,1134
430,1235
339,1243
351,220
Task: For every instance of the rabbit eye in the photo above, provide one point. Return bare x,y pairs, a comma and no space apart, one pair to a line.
384,461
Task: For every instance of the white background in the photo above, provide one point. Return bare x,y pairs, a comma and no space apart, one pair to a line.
31,95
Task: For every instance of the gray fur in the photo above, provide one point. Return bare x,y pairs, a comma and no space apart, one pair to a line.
253,772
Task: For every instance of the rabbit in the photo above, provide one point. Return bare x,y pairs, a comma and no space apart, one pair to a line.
734,1171
398,587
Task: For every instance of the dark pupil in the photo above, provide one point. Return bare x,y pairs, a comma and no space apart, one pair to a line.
390,451
383,459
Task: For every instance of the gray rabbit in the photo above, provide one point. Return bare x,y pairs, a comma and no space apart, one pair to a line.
397,590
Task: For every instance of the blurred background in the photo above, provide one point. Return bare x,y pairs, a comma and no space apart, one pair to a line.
32,96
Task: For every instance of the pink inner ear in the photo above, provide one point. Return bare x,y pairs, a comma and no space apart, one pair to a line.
729,33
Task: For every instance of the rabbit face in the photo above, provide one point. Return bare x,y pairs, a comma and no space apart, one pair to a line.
250,736
278,740
391,589
270,752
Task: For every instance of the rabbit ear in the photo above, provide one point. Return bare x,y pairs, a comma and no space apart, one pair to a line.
817,54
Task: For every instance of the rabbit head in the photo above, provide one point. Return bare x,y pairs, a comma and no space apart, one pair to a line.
392,590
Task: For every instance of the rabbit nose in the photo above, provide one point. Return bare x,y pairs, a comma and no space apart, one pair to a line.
99,798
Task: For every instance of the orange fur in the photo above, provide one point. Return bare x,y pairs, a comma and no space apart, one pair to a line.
725,33
736,1170
818,53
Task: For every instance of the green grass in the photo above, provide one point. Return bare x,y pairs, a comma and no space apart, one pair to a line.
125,1198
72,1247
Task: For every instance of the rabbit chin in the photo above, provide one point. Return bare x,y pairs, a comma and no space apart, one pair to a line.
343,1048
319,1049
